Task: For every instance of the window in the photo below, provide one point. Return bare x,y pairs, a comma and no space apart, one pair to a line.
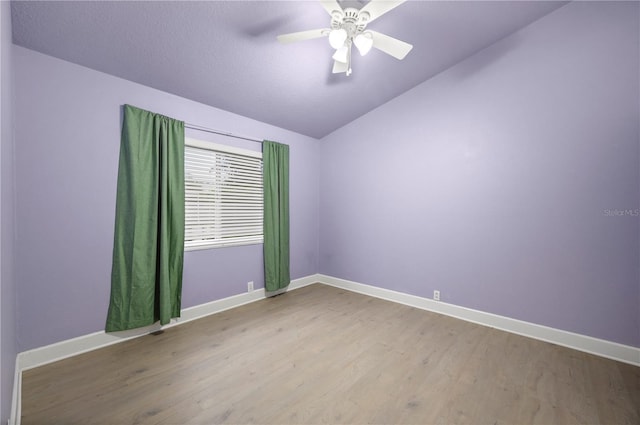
223,195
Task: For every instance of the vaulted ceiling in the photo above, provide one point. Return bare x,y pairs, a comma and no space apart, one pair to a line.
225,53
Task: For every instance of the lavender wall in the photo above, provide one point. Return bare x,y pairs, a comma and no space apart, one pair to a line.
8,347
67,140
497,181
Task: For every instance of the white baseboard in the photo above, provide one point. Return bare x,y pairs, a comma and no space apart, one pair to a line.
16,406
85,343
587,344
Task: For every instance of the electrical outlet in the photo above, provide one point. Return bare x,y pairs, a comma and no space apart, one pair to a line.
249,286
436,295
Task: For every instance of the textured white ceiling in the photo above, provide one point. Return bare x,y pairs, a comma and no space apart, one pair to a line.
225,53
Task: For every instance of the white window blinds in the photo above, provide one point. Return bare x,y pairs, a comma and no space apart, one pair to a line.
223,195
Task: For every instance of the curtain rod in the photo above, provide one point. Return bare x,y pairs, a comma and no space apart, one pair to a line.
222,133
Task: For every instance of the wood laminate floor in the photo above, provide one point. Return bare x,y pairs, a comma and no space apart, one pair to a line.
324,355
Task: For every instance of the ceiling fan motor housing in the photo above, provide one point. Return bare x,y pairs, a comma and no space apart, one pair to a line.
351,20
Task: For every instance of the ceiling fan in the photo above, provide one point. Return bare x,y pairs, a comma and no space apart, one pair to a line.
349,27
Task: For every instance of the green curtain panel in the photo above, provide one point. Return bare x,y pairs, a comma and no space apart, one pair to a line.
148,248
275,163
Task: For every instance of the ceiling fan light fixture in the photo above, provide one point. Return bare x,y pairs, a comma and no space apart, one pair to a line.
337,38
363,42
341,55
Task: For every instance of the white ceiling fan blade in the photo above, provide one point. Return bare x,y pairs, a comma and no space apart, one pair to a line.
302,35
339,67
331,6
391,46
377,8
